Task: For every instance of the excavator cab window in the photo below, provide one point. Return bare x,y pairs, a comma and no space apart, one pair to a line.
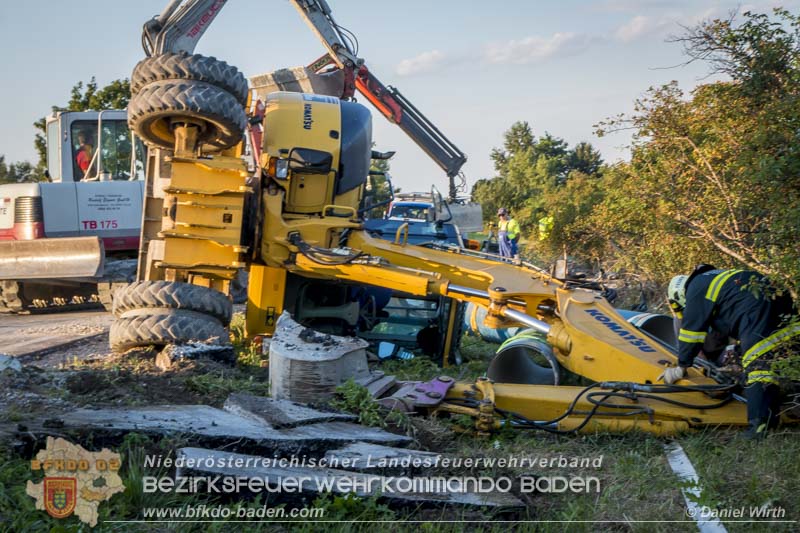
53,135
115,150
310,161
112,161
378,194
82,133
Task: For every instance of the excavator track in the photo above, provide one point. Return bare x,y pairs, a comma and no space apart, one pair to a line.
38,297
55,296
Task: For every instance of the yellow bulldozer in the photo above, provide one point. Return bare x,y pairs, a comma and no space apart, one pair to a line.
296,224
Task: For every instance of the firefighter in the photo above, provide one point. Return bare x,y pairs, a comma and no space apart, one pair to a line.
743,305
507,234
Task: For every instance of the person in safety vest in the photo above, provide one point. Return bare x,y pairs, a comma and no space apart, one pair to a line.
507,234
740,304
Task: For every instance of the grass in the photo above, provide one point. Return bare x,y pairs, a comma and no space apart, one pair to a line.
248,354
635,480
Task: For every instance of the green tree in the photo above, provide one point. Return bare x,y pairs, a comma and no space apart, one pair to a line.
19,172
88,97
529,170
718,170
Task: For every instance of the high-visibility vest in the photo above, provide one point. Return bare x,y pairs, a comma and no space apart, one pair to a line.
511,227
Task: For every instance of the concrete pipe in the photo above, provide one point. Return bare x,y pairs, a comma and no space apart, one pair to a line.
525,359
662,327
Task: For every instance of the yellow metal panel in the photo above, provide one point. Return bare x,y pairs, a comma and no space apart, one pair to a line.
208,176
295,120
265,294
417,283
546,402
208,210
201,256
605,347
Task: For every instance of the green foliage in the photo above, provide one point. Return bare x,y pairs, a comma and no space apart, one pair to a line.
247,353
218,385
18,172
419,368
351,507
356,399
714,175
530,174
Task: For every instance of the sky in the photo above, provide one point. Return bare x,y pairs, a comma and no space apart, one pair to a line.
473,67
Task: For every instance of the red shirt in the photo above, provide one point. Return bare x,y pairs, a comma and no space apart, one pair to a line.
83,160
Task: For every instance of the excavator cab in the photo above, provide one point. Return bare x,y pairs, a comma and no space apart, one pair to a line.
321,161
93,146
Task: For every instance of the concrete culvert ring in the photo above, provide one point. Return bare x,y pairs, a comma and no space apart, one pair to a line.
183,66
173,295
154,110
162,327
525,359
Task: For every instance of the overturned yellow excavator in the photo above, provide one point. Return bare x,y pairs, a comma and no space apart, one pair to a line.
296,224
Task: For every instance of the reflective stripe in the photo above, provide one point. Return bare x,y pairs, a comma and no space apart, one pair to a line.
761,376
691,336
716,284
762,347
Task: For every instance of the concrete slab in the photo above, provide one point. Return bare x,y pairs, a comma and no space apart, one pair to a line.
280,414
378,459
214,427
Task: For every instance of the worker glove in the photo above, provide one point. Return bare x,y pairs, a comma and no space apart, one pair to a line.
672,374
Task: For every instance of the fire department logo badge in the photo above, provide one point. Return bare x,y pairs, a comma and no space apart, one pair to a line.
76,481
60,496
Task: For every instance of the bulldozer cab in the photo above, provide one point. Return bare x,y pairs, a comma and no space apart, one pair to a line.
93,146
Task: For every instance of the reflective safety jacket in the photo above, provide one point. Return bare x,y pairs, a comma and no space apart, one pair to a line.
511,227
736,303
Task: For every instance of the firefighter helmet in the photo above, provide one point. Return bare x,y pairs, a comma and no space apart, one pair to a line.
676,293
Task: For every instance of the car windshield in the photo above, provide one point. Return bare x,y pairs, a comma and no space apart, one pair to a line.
417,212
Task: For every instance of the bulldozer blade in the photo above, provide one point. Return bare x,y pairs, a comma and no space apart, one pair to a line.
72,257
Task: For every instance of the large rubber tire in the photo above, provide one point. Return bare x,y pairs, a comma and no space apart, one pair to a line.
173,295
182,66
153,109
171,327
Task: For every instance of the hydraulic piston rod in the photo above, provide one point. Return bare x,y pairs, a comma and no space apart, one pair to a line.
538,325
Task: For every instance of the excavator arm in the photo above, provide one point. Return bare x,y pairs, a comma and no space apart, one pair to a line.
179,26
399,110
182,23
388,100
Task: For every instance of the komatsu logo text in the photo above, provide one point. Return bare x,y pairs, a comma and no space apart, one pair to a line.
641,344
307,120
